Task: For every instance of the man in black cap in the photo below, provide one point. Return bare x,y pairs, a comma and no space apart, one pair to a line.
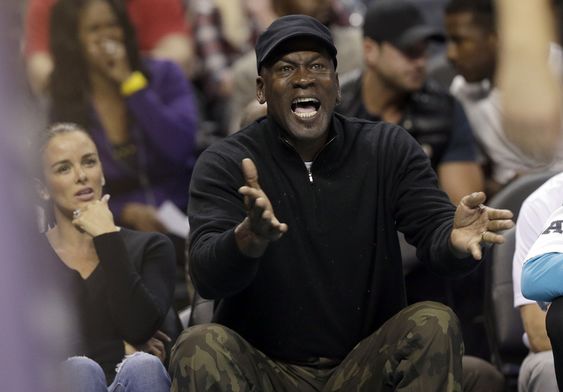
317,302
393,87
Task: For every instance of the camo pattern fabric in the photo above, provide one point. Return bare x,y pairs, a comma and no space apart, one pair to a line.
419,349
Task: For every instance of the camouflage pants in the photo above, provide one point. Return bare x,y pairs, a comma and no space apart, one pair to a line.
419,349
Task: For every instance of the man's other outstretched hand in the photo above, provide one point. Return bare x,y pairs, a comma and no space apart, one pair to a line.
476,225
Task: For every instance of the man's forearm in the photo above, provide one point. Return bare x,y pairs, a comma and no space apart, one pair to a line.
533,319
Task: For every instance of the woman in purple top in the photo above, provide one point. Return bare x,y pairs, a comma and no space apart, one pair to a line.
141,113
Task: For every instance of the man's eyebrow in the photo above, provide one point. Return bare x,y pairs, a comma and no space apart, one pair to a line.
318,55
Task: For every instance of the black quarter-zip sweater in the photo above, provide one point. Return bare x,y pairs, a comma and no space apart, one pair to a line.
336,275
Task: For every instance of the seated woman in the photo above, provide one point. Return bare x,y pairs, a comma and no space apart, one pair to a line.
141,113
542,281
120,280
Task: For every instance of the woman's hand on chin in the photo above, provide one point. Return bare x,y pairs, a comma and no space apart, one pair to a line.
95,218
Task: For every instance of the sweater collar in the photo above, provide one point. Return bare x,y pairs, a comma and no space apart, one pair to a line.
329,155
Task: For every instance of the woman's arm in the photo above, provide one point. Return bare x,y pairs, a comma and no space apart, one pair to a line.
138,301
166,111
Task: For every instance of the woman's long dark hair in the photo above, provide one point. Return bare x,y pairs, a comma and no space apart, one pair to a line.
69,85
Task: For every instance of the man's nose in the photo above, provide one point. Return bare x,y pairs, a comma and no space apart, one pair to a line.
303,77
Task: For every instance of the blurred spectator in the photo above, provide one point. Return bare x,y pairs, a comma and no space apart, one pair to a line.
160,25
537,373
35,321
541,281
347,40
531,90
224,30
140,112
393,88
532,119
473,48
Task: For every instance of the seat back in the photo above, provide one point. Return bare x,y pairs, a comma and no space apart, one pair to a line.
202,310
503,323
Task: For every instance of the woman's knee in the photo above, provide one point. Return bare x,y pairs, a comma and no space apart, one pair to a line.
142,372
79,372
82,365
142,363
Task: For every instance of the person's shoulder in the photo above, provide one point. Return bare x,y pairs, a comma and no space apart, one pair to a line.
161,66
375,131
549,193
245,64
350,79
239,143
350,92
432,90
432,99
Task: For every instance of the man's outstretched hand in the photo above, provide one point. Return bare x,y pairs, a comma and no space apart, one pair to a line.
476,225
260,226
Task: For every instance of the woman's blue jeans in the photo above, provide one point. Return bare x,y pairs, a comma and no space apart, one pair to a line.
137,373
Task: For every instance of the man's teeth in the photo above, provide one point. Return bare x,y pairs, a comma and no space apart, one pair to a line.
305,107
305,114
299,100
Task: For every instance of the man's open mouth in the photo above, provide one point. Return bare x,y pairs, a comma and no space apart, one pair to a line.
305,107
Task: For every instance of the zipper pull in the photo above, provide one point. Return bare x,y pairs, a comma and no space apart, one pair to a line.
310,175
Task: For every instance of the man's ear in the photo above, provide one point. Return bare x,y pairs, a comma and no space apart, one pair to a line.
41,189
260,93
371,51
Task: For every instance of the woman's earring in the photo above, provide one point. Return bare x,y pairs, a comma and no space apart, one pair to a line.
103,181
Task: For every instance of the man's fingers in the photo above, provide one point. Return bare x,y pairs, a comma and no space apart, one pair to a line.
250,173
492,238
475,250
498,225
474,199
494,213
162,336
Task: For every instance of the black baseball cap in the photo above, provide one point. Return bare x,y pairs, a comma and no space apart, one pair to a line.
398,22
289,27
